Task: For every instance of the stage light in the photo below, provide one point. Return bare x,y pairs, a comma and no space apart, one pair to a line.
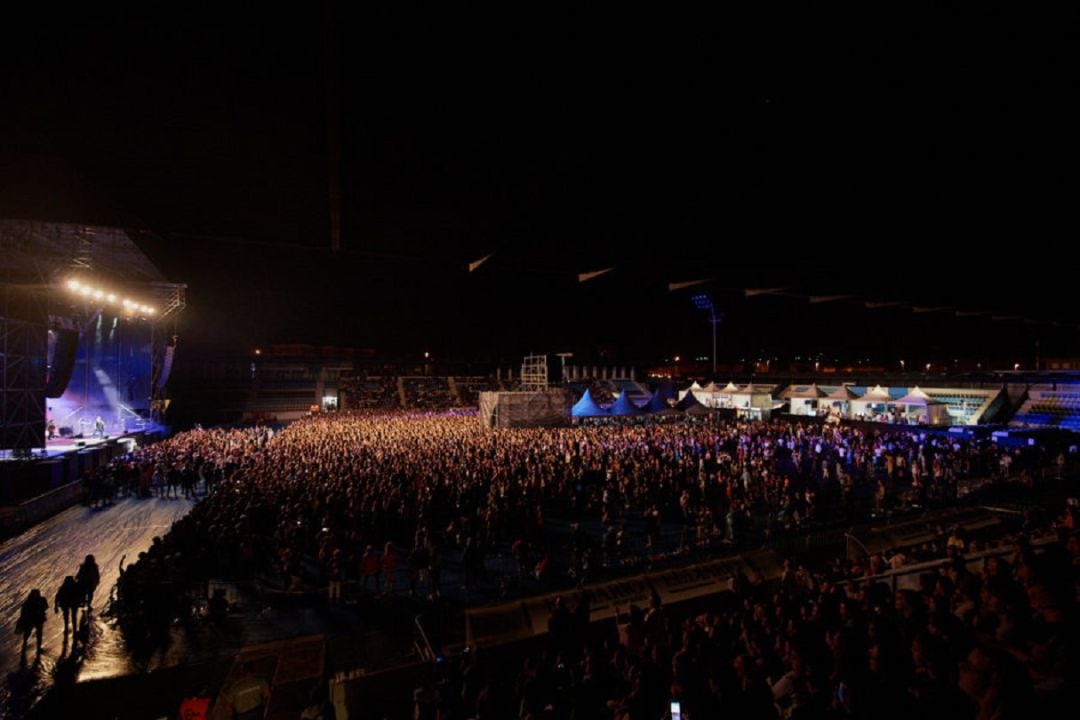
91,293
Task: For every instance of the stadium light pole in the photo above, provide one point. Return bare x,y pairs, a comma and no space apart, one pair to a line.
704,302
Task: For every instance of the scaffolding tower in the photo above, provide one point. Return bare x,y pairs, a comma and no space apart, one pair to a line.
534,373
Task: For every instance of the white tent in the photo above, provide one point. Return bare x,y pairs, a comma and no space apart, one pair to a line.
839,401
842,393
876,394
920,407
873,405
753,401
811,392
803,399
694,388
714,396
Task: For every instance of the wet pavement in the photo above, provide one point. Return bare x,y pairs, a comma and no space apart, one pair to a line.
40,558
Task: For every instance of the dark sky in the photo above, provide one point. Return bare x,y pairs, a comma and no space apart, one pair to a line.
916,153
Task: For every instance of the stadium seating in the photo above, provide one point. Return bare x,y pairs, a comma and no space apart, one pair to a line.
1050,409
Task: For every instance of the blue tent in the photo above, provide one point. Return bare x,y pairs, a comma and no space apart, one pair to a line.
587,407
658,403
690,404
624,406
667,390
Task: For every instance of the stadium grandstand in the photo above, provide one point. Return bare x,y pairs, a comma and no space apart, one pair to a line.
1050,409
287,382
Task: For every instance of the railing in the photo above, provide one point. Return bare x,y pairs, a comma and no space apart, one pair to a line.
422,643
43,506
907,577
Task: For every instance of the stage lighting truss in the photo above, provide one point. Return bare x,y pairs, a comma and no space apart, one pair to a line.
167,298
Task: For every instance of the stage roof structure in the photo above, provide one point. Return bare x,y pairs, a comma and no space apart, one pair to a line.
42,255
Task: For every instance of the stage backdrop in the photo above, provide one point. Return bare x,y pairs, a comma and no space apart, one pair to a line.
111,378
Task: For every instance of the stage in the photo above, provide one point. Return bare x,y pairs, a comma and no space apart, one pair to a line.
37,488
127,439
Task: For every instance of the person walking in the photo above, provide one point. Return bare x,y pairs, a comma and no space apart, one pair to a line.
88,578
32,617
67,601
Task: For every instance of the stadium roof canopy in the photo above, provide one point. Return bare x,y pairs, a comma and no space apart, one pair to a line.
47,252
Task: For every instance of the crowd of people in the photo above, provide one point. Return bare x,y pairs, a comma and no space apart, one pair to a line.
325,502
346,500
996,641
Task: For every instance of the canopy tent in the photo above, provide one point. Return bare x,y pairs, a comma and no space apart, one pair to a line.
623,406
721,397
919,406
698,410
877,394
709,396
803,399
753,401
689,401
915,396
875,405
587,407
842,394
695,389
838,402
813,392
659,404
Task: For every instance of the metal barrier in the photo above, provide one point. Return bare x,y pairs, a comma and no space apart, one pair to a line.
908,576
44,506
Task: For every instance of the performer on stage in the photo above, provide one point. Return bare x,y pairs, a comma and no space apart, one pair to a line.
99,427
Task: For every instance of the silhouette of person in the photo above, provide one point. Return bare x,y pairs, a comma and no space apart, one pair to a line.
32,617
67,601
88,578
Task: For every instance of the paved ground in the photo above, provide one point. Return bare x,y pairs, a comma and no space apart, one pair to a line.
43,555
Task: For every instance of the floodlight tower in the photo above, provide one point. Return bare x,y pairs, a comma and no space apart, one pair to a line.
704,302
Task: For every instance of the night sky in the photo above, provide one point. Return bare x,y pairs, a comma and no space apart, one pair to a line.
926,155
